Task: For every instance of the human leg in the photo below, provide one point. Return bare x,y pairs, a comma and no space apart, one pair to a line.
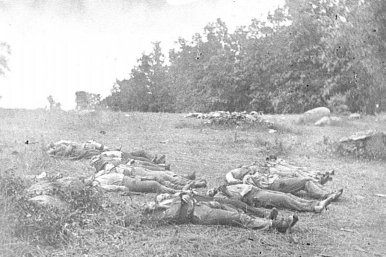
177,179
295,185
152,166
315,191
266,198
136,185
289,185
205,215
143,155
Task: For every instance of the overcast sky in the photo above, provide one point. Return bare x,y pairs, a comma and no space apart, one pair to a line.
62,46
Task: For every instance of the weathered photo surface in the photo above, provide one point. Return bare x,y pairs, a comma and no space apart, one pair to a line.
192,128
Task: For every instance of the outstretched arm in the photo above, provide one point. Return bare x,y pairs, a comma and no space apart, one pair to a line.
231,180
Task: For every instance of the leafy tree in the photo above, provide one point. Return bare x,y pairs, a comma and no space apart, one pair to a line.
204,72
147,89
310,53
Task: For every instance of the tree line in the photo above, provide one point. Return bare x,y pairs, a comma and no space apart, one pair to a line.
307,54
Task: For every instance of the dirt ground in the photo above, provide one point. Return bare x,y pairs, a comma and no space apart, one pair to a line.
353,226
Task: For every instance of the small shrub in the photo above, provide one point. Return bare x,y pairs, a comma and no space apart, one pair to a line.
272,146
337,104
45,225
11,185
278,148
39,224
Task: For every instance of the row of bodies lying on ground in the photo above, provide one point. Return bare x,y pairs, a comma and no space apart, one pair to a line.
320,116
272,183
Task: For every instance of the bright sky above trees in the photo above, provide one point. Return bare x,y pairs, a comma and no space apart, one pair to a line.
59,47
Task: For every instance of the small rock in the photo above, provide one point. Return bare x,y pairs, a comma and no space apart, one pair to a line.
354,116
335,120
41,175
192,115
380,195
323,122
250,117
328,121
254,113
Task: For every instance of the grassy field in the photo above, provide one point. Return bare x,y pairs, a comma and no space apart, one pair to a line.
353,226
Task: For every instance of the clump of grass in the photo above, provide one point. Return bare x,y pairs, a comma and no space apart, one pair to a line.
273,145
10,185
286,129
32,158
192,124
46,225
278,147
41,225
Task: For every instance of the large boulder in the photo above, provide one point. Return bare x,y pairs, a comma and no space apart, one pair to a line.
369,144
313,115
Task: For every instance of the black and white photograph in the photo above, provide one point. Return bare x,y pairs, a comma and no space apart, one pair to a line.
184,128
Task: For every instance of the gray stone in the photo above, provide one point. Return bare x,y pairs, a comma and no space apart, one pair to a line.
323,122
313,115
370,144
354,116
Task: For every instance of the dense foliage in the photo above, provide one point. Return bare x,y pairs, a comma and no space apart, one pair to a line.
307,54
